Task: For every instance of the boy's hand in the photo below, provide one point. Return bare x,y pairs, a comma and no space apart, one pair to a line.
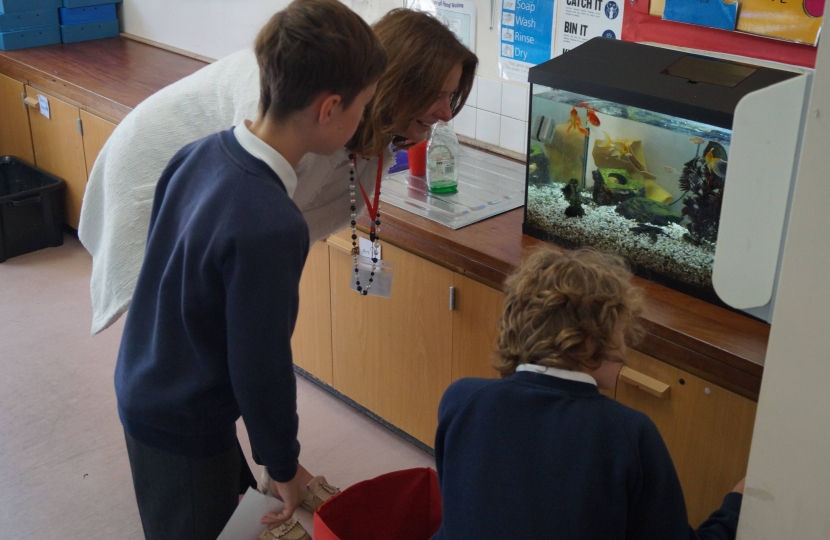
740,487
291,494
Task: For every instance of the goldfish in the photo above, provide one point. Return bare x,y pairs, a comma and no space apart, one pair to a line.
606,142
670,170
593,119
619,149
575,123
716,165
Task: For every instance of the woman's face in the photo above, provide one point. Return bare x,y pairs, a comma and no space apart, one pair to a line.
441,109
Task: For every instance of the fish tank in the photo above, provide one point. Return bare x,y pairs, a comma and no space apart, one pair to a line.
628,152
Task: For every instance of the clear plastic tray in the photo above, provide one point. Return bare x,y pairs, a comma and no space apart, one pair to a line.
487,186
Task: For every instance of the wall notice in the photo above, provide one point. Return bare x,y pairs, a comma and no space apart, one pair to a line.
526,28
577,21
457,15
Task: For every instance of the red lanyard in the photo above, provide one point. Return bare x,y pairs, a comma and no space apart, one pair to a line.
373,210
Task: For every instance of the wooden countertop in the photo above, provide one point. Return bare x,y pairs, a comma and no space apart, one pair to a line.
716,344
108,76
112,76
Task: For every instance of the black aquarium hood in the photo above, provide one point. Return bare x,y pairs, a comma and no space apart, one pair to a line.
674,83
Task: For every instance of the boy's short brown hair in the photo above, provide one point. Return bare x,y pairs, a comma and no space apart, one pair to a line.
315,46
564,310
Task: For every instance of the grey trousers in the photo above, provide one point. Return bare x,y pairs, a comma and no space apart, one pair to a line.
182,498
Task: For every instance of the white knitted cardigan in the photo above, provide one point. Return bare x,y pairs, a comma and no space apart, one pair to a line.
116,209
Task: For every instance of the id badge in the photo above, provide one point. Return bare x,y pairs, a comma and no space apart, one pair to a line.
381,281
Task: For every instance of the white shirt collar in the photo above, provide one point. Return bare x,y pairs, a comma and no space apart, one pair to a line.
577,376
262,151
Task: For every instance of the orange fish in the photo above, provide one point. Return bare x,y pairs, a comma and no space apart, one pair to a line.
716,165
711,160
575,123
593,119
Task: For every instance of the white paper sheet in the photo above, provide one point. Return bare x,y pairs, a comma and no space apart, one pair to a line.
244,524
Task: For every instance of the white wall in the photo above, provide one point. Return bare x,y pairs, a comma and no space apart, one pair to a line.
788,482
217,28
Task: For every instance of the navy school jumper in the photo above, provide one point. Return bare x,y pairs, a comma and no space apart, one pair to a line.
208,334
534,456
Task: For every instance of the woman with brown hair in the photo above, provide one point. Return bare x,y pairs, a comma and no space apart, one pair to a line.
429,78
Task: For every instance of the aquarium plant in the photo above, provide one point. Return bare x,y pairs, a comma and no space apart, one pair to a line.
571,193
702,182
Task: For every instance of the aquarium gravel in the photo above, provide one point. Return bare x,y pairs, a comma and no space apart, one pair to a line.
602,228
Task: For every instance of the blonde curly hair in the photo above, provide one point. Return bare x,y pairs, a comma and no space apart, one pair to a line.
566,310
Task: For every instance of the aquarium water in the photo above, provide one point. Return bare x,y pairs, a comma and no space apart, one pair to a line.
644,185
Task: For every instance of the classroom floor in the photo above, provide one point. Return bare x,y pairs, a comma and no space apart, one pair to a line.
64,471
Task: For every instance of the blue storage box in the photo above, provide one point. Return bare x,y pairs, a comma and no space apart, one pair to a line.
11,22
19,6
85,3
21,39
85,15
84,32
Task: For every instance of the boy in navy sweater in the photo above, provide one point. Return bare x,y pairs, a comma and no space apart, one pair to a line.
208,334
542,453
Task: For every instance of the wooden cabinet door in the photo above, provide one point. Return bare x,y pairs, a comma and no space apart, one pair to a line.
475,328
311,342
15,135
393,355
59,149
708,430
96,131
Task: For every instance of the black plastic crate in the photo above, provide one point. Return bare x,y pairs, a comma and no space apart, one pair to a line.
31,208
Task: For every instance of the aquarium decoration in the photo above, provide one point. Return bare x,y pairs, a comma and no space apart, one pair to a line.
649,230
537,164
621,154
637,154
702,184
571,193
613,186
644,210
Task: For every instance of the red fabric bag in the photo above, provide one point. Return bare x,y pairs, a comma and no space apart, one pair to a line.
402,505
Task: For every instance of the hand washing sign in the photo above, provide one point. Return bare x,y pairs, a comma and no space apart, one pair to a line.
526,28
577,21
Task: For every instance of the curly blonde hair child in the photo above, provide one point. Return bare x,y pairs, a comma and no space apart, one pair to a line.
568,310
553,456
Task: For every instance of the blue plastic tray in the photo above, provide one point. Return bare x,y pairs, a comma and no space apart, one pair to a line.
84,32
21,39
19,6
11,22
87,15
85,3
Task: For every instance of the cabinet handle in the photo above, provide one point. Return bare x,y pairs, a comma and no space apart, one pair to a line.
31,102
24,202
80,126
339,244
644,382
452,298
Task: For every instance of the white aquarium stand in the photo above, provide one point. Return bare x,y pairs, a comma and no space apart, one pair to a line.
763,161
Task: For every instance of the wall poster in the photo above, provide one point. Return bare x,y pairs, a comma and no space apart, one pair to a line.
526,28
457,15
577,21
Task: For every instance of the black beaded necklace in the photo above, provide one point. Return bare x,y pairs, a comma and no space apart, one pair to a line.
374,216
